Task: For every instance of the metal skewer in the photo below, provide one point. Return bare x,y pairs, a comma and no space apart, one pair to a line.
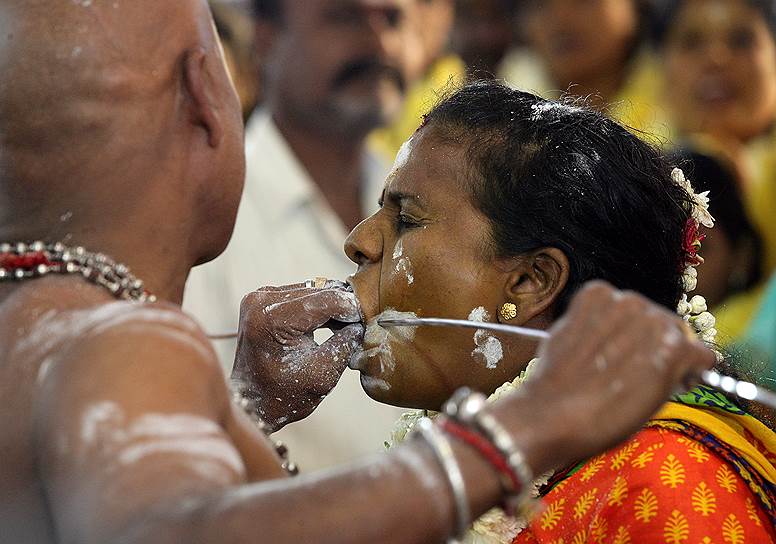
225,336
443,322
741,389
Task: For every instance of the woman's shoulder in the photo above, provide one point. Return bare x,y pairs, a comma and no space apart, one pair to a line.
660,482
655,455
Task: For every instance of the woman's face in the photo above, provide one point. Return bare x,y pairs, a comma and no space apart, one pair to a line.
721,69
427,251
580,39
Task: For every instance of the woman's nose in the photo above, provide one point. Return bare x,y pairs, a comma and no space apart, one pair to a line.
717,53
365,243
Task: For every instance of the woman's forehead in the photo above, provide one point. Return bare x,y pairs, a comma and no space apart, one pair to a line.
428,169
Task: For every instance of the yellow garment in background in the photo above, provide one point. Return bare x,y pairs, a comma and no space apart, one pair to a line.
760,196
447,72
759,191
638,105
735,314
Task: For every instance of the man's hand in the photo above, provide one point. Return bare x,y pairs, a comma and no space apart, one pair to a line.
278,364
613,359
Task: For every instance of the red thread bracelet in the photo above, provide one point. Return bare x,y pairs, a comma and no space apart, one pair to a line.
484,447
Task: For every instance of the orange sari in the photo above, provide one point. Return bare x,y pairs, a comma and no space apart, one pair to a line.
696,474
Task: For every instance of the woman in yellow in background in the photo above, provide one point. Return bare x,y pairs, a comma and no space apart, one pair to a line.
427,66
593,49
447,42
720,72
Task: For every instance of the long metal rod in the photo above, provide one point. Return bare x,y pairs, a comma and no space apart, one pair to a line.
225,336
444,322
742,389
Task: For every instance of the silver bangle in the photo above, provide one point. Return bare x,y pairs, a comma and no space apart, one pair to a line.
467,408
502,440
443,452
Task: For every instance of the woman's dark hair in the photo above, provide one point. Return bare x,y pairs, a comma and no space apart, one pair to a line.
670,9
553,174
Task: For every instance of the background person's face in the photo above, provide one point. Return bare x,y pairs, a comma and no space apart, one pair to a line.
427,251
483,32
337,63
578,39
721,69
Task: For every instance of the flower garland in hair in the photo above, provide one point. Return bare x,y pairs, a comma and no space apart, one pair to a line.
695,310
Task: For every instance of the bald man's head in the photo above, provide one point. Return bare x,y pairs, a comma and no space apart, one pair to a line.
108,103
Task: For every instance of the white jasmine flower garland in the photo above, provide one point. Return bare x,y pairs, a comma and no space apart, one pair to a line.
695,310
700,209
494,527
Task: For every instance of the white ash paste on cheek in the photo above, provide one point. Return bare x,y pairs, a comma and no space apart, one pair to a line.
375,383
402,264
488,348
381,337
404,334
480,315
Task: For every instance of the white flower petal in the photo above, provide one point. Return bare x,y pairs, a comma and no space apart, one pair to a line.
698,304
689,283
683,308
677,175
703,322
709,336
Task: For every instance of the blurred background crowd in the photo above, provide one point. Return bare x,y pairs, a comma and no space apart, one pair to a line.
332,88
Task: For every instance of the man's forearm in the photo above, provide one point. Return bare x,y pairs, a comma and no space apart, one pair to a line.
402,498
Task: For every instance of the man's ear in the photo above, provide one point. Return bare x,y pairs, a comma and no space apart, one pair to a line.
201,94
534,282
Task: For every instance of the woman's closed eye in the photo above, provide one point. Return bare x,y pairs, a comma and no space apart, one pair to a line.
405,221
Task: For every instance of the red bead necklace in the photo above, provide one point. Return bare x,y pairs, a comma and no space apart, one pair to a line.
20,261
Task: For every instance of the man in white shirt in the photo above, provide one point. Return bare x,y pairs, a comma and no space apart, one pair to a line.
332,69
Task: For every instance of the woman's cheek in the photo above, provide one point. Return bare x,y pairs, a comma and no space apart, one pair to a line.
402,271
399,285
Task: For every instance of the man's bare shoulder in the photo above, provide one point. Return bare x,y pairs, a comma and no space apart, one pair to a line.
61,309
78,336
127,338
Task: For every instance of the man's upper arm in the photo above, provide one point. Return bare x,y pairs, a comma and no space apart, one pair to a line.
129,422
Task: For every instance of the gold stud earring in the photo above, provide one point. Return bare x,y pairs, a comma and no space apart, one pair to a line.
508,311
